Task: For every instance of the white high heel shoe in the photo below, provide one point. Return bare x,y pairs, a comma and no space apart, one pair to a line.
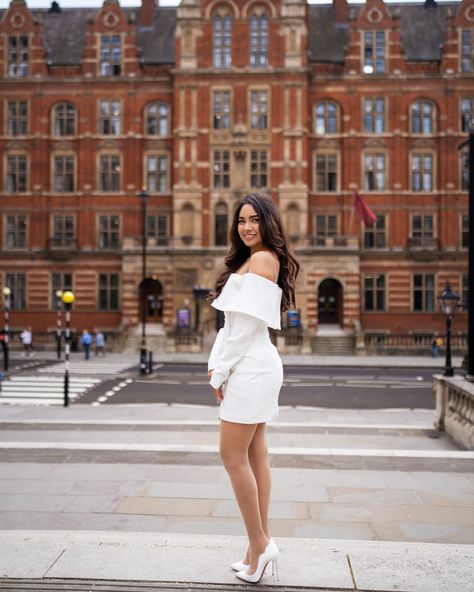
270,554
240,566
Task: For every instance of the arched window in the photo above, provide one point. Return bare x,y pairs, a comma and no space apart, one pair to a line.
258,39
293,222
157,119
222,40
64,120
221,225
187,224
326,118
422,117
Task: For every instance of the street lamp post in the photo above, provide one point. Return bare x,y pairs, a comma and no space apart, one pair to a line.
144,195
6,314
59,295
68,299
448,301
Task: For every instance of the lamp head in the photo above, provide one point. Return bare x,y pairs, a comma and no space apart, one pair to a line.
59,294
448,301
68,297
6,291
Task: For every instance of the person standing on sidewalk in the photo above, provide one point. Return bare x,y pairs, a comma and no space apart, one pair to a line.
245,368
99,343
26,337
86,341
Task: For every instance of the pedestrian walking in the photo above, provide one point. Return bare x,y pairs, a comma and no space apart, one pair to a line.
436,344
26,337
244,366
86,341
99,343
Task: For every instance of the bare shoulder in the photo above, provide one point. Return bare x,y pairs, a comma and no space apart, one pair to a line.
264,263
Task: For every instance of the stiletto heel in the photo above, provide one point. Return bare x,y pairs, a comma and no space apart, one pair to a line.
275,569
269,555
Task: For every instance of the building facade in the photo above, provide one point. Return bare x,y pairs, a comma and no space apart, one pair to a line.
199,105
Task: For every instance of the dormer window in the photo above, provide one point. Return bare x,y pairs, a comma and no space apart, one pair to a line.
258,39
374,52
111,55
18,56
222,40
467,51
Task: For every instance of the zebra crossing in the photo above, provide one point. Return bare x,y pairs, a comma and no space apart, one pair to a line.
92,366
42,390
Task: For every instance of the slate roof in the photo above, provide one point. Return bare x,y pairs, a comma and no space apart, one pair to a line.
422,30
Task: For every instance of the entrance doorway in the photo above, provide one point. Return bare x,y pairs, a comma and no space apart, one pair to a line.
329,302
153,300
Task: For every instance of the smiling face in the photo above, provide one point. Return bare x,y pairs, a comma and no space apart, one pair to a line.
248,227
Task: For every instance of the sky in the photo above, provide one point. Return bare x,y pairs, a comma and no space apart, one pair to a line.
96,3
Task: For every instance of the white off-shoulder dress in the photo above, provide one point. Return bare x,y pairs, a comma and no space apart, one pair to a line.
243,359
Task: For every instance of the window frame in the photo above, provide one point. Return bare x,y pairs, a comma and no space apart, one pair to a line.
113,63
109,238
17,155
259,38
423,289
462,45
18,62
221,179
374,291
110,155
162,240
375,232
54,173
62,285
18,119
160,156
375,116
326,117
259,113
222,40
6,232
365,171
326,155
221,120
64,119
111,118
366,62
108,290
260,170
223,220
422,154
422,103
159,119
17,293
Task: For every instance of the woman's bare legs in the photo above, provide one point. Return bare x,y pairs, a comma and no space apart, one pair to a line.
260,465
235,442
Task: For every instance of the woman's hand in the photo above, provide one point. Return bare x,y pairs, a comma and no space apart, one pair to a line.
217,392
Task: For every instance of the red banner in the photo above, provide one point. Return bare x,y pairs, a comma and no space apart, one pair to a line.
363,210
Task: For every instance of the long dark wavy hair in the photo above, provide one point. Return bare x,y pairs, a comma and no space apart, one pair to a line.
273,238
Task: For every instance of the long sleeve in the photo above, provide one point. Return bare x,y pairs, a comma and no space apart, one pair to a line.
237,341
217,348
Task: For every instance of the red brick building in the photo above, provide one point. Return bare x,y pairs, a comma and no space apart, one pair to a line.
203,103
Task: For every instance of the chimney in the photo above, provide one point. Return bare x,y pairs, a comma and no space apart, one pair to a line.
147,12
341,12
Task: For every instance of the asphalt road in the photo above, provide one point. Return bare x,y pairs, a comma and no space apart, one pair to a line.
351,388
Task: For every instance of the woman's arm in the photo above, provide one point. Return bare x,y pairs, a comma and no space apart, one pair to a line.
216,348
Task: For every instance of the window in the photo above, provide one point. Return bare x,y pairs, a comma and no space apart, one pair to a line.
157,227
109,118
221,169
467,36
325,121
375,235
18,56
62,282
157,119
64,177
464,165
109,232
374,172
15,232
17,174
109,179
222,41
110,55
64,120
64,231
157,174
326,226
17,284
258,109
374,52
422,172
422,227
422,114
464,231
423,292
464,291
221,109
467,113
258,40
221,225
258,168
374,292
374,115
108,291
326,172
17,118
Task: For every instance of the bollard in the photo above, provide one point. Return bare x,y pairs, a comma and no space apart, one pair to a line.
143,362
150,362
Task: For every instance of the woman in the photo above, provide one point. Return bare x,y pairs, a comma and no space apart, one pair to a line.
245,368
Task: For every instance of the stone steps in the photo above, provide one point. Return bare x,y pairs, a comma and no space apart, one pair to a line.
333,345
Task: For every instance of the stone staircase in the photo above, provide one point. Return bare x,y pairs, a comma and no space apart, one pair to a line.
155,339
333,345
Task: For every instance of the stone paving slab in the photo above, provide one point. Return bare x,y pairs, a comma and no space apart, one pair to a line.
343,565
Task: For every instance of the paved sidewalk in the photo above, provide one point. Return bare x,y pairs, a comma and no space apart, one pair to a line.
205,559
